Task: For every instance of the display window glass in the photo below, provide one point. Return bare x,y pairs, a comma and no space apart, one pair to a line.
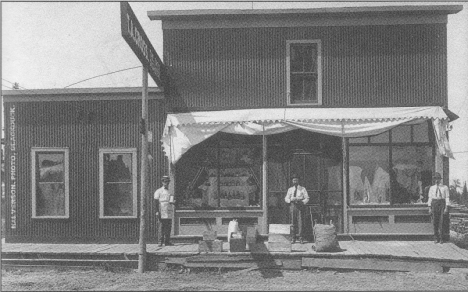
395,171
369,178
411,173
118,192
223,172
50,186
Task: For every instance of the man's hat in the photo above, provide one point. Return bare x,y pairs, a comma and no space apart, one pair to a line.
293,176
165,178
437,176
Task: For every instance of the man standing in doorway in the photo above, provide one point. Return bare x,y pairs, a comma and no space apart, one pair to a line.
165,208
438,202
297,197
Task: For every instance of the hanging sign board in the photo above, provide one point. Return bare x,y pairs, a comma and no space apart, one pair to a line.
136,38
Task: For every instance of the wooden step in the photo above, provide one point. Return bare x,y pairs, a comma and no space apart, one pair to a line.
71,262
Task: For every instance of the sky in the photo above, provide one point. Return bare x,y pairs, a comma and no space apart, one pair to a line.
59,44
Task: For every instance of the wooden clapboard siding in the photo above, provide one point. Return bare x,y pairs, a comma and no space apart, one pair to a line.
387,65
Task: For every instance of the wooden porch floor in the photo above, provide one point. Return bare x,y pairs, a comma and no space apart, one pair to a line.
422,250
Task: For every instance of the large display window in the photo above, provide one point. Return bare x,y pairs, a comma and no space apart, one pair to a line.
223,172
393,168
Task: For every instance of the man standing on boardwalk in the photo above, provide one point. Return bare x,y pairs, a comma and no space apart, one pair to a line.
297,197
438,202
165,209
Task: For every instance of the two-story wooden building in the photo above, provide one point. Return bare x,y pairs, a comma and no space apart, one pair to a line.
350,99
353,100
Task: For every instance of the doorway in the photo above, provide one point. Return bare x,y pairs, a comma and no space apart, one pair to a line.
317,160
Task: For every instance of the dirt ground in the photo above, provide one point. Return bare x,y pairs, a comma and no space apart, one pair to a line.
213,280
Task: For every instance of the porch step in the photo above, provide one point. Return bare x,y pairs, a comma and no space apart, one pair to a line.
132,264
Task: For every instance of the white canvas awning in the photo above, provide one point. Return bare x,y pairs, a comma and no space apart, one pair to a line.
185,130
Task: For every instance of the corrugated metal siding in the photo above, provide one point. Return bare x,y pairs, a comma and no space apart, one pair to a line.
83,127
362,65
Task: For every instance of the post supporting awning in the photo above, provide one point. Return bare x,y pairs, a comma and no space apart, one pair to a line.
185,130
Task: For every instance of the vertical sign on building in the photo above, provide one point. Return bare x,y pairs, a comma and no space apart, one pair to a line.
13,184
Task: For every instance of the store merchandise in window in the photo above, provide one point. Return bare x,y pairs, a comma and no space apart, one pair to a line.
411,173
369,178
220,175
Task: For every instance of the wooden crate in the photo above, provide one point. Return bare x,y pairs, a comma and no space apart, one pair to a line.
237,245
210,246
279,242
279,229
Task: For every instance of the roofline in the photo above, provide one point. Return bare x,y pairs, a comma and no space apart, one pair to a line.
62,91
236,13
80,94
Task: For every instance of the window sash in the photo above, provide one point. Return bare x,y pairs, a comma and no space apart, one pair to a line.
51,182
119,182
304,75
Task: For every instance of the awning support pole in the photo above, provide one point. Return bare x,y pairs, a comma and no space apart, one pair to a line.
265,182
344,150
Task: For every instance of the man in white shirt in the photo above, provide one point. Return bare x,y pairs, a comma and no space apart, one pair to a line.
165,209
438,202
297,197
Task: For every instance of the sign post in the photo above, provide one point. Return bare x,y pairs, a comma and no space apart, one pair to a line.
136,38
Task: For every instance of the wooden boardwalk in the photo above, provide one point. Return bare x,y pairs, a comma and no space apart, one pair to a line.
397,249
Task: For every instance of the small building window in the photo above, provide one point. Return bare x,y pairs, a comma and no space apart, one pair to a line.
50,186
118,183
304,72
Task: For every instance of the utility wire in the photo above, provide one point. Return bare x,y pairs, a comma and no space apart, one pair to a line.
8,87
102,75
13,83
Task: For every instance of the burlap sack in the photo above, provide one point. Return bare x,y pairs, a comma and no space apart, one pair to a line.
325,238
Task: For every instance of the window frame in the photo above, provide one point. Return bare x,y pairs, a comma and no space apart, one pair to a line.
133,152
66,179
319,70
391,144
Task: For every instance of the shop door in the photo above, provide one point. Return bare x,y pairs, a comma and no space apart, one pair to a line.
308,167
317,160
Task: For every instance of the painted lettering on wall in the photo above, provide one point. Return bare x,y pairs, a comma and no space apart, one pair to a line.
13,170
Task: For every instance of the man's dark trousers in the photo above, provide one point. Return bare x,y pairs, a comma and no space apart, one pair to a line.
165,230
438,207
296,210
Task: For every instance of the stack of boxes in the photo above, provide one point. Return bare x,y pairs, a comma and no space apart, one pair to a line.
210,243
279,237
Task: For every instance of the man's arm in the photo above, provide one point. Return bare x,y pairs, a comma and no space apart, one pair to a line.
447,199
156,198
287,199
429,200
306,196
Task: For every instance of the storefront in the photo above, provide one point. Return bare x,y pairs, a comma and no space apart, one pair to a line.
238,164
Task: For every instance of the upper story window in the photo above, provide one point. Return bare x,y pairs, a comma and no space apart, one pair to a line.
304,72
118,183
50,187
